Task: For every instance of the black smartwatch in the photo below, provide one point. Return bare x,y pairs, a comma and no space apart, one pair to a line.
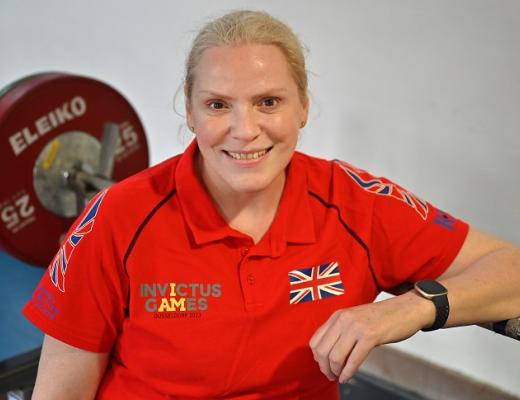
434,291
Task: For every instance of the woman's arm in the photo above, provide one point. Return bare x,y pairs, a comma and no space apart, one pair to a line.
66,372
483,284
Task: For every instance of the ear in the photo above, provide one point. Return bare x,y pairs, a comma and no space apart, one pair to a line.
305,111
189,114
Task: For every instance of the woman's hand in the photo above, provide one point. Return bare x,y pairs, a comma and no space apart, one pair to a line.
343,342
482,283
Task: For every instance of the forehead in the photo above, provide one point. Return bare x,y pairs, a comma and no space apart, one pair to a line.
246,68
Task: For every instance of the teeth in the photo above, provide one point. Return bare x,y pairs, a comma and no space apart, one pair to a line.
247,156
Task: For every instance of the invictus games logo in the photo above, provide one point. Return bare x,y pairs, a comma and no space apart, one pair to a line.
176,300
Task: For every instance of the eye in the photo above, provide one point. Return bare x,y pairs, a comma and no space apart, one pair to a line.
216,105
270,102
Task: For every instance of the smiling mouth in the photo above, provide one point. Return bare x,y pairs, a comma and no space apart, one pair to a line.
247,155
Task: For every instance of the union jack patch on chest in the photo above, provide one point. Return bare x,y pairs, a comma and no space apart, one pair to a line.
315,283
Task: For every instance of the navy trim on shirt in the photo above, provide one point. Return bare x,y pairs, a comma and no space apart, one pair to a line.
143,224
138,233
352,233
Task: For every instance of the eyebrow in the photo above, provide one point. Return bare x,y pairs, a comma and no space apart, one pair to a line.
266,93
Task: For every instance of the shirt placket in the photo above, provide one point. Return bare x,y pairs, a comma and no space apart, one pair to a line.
248,280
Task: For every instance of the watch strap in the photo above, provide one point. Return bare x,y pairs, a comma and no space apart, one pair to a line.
442,308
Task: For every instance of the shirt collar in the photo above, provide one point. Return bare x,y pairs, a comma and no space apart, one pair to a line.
293,222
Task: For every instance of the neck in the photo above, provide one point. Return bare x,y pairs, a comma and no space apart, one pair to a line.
248,212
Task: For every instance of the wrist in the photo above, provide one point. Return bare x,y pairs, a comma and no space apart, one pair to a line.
423,310
437,295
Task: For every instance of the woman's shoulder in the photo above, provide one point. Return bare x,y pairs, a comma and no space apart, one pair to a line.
340,184
330,173
153,182
132,198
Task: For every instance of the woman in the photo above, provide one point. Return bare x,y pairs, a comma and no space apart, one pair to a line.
246,269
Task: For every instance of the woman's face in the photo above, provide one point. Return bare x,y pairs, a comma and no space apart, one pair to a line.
246,112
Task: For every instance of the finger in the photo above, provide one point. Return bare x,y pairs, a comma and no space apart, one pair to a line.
323,347
318,335
340,352
358,354
321,355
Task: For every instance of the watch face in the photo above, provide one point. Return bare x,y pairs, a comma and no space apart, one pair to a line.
431,287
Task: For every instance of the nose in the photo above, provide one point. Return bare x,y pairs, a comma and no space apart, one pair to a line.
244,124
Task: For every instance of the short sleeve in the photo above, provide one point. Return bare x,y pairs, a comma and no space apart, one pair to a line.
81,299
407,238
410,238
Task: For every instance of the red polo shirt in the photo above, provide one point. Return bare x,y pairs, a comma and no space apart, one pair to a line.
191,308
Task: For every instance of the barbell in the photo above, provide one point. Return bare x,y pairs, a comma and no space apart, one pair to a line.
65,137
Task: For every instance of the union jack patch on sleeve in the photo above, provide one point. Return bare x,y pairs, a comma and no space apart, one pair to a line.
59,264
378,186
315,283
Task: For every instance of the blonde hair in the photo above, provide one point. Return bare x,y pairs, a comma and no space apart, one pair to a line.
249,27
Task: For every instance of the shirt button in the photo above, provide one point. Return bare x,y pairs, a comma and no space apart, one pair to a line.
244,252
251,279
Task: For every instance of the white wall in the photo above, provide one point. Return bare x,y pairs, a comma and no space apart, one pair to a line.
426,92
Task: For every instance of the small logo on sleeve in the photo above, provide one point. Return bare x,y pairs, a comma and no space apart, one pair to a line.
445,220
45,302
59,264
315,283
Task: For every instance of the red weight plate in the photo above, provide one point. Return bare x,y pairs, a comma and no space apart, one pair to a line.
34,111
